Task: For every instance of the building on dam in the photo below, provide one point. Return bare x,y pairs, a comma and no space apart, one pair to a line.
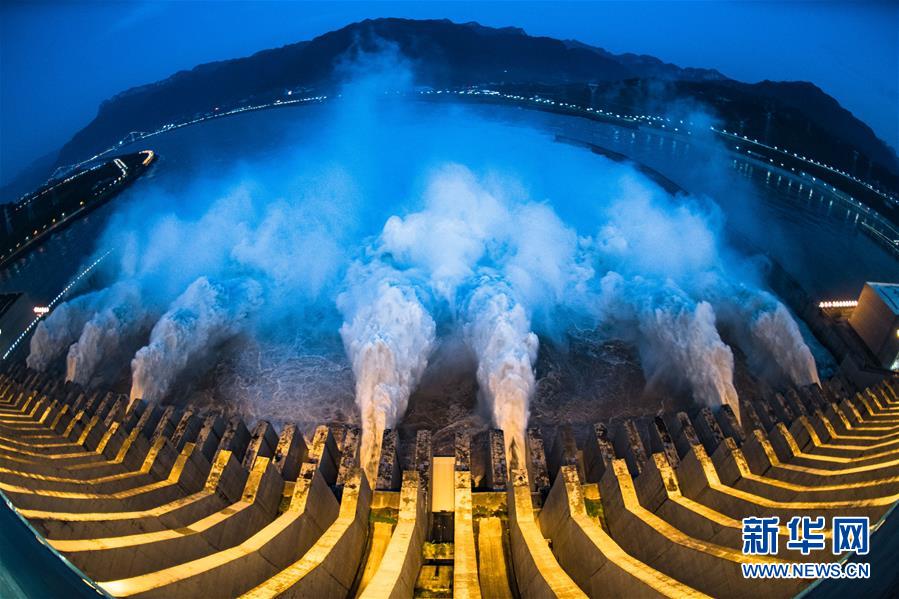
876,320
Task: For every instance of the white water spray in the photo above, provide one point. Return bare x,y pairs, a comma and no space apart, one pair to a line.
765,331
776,332
109,333
58,330
388,336
677,338
204,316
499,332
685,340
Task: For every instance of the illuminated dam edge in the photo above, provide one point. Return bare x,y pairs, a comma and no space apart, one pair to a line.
48,224
150,501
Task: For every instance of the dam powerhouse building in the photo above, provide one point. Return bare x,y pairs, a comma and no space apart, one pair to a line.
876,320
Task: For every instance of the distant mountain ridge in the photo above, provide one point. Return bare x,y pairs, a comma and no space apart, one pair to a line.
650,66
444,53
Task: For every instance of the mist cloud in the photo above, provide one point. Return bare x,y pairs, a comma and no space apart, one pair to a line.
204,316
388,335
383,225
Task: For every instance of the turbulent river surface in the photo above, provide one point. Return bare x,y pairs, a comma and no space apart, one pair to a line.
308,209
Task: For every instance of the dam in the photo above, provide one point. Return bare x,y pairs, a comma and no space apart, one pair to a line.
151,501
240,470
423,308
33,218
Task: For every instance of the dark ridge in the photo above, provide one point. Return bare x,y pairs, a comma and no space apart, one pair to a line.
796,115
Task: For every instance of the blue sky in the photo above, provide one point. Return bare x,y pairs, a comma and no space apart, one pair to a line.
59,60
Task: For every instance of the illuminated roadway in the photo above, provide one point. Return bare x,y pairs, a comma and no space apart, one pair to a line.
656,121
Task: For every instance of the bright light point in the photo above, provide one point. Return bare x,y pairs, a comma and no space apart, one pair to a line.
838,304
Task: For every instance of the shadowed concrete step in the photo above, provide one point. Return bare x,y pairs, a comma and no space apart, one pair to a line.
839,431
132,555
108,476
732,466
327,569
122,452
797,452
659,492
763,460
25,414
699,481
36,436
187,474
312,509
399,567
536,569
38,423
595,561
70,448
858,413
223,486
875,404
832,439
715,569
90,459
31,416
72,454
44,433
820,442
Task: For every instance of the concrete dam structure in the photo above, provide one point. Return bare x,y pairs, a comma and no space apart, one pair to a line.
151,501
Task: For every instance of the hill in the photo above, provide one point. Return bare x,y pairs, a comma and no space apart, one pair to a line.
797,115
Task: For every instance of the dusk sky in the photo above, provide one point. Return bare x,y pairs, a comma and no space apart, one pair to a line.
59,60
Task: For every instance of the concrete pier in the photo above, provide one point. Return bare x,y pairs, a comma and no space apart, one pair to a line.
154,501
